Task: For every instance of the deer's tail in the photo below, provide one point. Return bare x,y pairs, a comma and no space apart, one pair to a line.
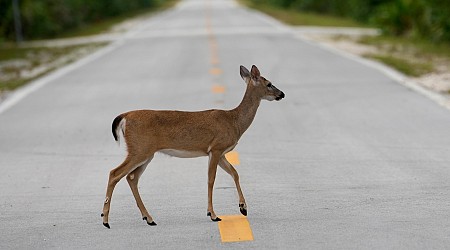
117,126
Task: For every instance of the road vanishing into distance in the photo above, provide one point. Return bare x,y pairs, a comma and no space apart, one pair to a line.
350,159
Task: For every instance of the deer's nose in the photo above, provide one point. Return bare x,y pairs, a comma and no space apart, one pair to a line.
281,96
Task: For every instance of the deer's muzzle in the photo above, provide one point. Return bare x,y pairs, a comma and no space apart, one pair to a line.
281,96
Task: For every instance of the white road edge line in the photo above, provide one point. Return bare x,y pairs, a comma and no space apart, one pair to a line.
387,71
19,94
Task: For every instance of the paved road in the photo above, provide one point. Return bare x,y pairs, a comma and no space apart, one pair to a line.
349,160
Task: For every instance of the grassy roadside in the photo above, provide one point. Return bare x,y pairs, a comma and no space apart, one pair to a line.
301,18
410,68
105,25
20,64
411,57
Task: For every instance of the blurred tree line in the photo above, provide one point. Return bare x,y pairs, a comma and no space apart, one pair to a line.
48,18
425,19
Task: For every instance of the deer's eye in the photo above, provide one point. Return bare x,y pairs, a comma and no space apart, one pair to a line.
269,85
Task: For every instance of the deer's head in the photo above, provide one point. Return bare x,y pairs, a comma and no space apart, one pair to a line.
259,85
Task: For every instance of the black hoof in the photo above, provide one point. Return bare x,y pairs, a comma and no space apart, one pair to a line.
216,219
242,209
102,215
106,225
152,223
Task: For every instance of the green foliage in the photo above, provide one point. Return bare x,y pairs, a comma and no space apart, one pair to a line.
424,19
49,18
293,17
399,17
415,18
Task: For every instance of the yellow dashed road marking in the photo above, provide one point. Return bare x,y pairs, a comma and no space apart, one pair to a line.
232,228
235,228
214,59
215,71
218,89
233,158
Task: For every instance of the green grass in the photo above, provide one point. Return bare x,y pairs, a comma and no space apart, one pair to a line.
410,56
13,52
12,84
422,48
34,57
92,28
407,67
294,17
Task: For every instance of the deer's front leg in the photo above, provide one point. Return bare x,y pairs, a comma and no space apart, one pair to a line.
214,158
226,165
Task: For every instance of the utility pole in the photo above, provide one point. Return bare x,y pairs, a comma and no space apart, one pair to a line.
17,21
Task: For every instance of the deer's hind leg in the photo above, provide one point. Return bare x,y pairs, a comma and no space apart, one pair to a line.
128,165
226,165
133,179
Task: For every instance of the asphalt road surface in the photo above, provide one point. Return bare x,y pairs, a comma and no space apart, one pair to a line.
350,159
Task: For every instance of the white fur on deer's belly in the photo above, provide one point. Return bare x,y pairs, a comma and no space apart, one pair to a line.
182,153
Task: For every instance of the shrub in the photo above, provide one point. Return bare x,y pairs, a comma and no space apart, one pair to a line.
48,18
424,19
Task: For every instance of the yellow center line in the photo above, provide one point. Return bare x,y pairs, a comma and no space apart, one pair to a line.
233,158
214,60
215,71
235,228
232,228
213,46
218,89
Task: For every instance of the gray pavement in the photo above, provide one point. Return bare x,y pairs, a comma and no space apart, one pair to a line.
350,159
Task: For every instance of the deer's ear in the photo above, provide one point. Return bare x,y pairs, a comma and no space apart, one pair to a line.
245,74
255,72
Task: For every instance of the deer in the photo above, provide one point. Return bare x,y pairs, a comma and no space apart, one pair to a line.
187,134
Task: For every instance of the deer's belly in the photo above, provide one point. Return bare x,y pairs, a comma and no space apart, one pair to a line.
183,153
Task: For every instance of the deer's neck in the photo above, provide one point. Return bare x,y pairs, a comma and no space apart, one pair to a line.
246,111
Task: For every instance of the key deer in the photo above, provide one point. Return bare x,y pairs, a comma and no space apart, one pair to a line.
211,133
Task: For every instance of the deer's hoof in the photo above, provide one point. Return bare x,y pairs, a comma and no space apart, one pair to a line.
106,225
243,209
152,223
216,219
